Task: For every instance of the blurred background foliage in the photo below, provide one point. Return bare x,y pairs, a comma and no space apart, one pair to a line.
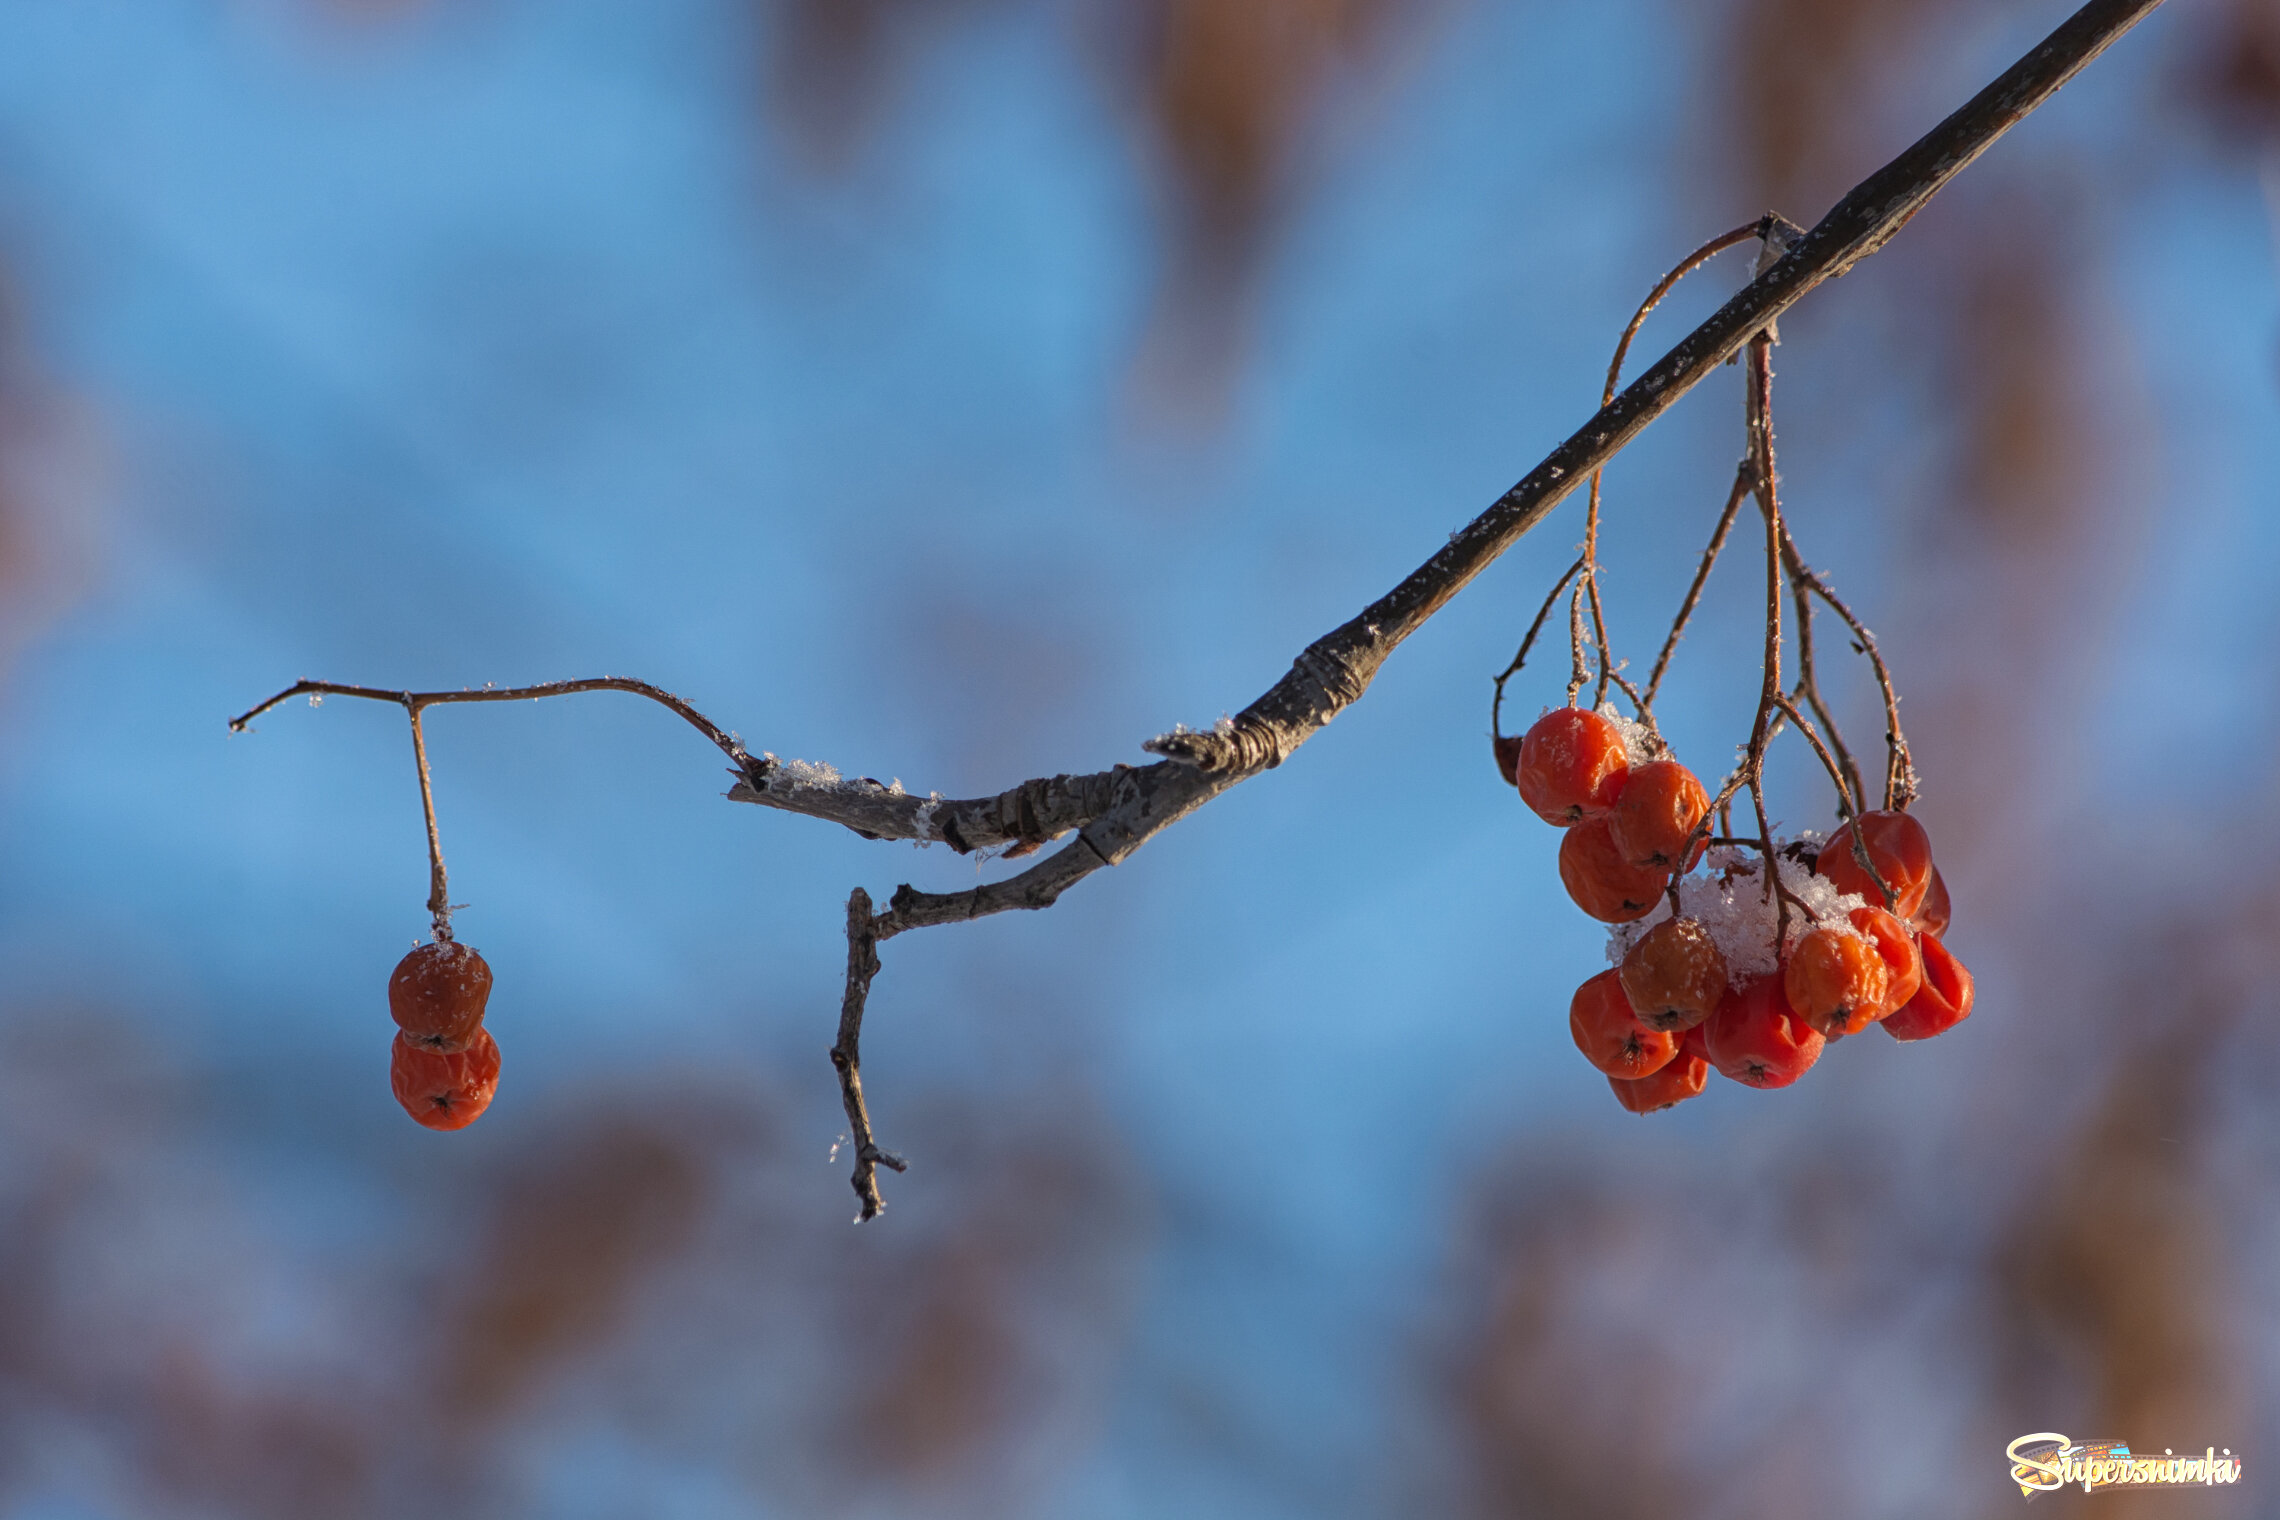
960,390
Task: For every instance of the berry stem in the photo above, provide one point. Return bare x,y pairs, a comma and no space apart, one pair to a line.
1608,672
1496,703
1734,500
1760,424
1808,679
1899,774
1847,803
439,893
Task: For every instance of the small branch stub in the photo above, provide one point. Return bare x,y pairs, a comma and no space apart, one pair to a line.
846,1056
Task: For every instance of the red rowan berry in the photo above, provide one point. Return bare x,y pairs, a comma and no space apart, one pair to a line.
1932,917
1902,853
1681,1079
1611,1036
437,994
1835,981
446,1091
1896,947
1675,975
1944,1000
1572,765
1601,881
1756,1038
1653,820
1508,758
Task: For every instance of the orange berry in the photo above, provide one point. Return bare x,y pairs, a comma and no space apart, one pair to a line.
1756,1038
1932,917
1654,818
1572,765
1901,851
1896,947
1944,1000
1681,1079
1601,881
437,994
445,1091
1611,1036
1836,982
1675,975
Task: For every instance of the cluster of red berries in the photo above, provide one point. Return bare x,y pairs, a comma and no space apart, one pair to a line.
445,1066
1673,1009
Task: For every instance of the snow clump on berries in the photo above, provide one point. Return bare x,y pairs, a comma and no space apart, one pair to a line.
1639,745
1728,898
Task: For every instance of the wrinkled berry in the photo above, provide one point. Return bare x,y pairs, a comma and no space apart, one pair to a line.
1601,881
1943,1001
1902,854
437,994
1675,975
1673,1084
1572,765
1611,1036
1654,818
1757,1039
445,1090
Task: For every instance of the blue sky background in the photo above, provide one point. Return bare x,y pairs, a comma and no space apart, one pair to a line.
510,341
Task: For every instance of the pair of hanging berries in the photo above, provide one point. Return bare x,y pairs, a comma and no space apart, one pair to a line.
445,1065
1711,989
1627,824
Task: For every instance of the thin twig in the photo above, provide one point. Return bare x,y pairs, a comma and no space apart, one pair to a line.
1663,287
1734,499
415,700
1496,703
1846,805
1760,410
847,1055
1899,774
1579,670
439,892
1808,679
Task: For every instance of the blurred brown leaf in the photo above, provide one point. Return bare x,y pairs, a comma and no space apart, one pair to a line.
1804,89
2232,75
569,1235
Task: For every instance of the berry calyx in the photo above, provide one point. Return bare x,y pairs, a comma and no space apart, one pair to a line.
1675,975
1610,1035
437,995
1835,981
1900,850
1572,765
1684,1077
445,1090
1757,1039
1654,819
1601,881
1943,1001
